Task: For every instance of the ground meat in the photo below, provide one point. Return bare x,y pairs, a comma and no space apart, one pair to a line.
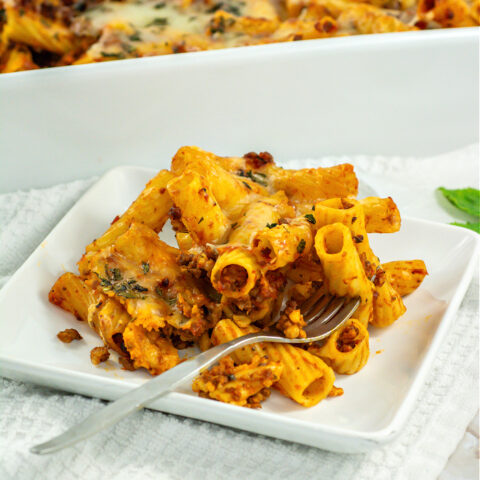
99,354
348,339
291,322
258,160
126,363
68,335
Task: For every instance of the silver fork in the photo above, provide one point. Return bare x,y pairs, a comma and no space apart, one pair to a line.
323,314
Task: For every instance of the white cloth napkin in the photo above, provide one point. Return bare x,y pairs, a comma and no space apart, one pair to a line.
166,447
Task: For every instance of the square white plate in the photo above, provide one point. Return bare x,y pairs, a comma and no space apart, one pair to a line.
376,401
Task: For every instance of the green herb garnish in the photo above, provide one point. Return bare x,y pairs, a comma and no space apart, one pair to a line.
310,218
201,220
467,200
145,267
271,225
113,281
257,177
158,22
301,246
158,6
112,55
135,37
247,185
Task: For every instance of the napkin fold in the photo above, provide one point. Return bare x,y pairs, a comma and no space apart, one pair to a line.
167,447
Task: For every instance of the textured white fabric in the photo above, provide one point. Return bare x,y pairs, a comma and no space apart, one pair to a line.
166,447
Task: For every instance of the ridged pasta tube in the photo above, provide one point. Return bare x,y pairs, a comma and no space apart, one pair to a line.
405,276
32,29
283,244
235,273
105,315
150,208
350,213
346,350
306,379
344,274
200,212
381,215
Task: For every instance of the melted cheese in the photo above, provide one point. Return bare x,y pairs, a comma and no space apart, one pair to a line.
149,13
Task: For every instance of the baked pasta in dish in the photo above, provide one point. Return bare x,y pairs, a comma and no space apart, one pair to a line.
45,33
254,239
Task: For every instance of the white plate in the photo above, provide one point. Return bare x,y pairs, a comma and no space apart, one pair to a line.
376,402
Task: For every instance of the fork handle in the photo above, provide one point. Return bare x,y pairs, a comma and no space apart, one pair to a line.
141,396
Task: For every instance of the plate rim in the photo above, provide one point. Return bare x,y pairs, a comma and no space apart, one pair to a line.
19,369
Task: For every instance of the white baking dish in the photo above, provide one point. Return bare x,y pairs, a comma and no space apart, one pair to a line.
412,93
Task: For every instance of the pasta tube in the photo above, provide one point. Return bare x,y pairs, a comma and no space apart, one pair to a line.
351,214
344,274
405,276
200,212
306,379
346,350
235,273
381,215
30,28
105,315
283,244
231,192
150,208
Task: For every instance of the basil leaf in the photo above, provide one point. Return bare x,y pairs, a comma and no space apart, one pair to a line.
465,199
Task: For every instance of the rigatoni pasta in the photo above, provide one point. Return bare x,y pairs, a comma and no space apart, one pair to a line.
255,242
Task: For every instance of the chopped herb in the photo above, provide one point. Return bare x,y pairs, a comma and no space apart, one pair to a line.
301,246
145,267
257,177
56,36
117,275
158,22
191,19
271,225
135,37
310,218
313,208
127,289
21,12
358,238
247,185
158,6
234,225
201,220
112,55
44,23
231,377
163,296
3,15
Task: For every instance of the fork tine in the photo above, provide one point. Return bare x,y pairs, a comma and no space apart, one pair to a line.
327,323
317,308
308,304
